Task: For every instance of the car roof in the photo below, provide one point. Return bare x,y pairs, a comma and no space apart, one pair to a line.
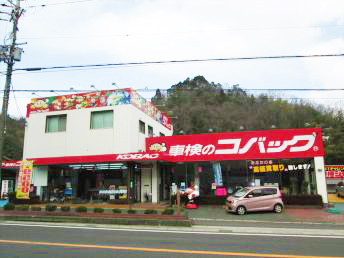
260,187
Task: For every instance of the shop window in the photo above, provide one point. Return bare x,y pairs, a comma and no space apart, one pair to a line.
102,119
142,127
150,131
56,124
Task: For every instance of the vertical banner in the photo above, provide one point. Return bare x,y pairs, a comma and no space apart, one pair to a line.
24,180
4,188
217,174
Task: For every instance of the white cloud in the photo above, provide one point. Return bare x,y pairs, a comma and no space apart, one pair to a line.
114,31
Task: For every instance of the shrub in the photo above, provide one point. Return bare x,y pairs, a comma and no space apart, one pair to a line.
302,200
132,211
50,207
150,212
81,209
168,211
23,208
36,208
98,210
116,211
9,207
65,208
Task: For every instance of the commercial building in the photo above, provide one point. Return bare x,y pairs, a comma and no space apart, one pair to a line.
76,142
115,146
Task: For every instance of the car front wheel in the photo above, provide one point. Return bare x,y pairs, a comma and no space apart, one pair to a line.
241,210
278,208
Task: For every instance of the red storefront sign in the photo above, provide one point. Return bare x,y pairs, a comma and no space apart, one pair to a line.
270,144
98,158
334,171
11,164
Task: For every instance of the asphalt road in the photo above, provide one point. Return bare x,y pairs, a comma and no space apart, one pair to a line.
47,241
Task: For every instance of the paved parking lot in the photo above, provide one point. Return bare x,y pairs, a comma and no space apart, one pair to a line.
209,214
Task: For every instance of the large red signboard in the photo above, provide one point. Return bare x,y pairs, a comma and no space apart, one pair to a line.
270,144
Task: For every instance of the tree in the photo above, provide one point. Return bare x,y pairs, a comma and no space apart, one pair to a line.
200,107
14,139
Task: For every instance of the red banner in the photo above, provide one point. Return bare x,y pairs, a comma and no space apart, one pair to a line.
334,171
270,144
11,164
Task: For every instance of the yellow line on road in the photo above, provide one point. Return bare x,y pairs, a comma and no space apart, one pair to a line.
157,250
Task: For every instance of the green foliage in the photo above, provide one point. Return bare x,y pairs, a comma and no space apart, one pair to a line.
229,109
81,209
50,207
168,211
98,210
132,211
65,208
14,139
9,207
118,211
36,208
23,207
150,212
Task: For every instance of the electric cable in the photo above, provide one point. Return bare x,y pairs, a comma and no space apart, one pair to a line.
15,100
35,69
72,2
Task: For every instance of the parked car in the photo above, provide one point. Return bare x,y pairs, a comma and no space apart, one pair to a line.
260,198
340,189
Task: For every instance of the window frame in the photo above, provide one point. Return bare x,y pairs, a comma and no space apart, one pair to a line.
60,126
93,125
150,131
142,127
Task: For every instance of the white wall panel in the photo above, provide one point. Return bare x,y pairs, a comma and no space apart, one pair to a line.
80,140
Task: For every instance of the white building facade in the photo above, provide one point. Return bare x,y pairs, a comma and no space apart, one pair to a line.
74,142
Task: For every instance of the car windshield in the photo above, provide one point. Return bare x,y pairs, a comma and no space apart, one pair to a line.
241,192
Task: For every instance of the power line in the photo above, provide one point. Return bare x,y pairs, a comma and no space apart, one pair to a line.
44,5
163,90
85,67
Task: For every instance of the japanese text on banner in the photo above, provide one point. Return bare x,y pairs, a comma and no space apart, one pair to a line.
24,180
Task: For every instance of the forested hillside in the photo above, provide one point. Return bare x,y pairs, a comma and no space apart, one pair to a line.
14,139
198,106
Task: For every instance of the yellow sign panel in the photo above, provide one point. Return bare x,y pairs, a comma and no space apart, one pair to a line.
24,180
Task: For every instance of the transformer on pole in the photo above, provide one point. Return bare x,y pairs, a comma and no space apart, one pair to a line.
8,54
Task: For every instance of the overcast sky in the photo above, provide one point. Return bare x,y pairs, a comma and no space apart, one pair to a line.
88,32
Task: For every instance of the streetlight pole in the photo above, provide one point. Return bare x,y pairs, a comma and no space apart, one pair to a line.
15,15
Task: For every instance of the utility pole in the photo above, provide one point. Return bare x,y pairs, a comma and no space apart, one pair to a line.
15,15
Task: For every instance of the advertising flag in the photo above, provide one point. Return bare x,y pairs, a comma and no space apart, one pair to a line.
24,180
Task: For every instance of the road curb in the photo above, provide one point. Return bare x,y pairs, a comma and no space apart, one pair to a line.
193,229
